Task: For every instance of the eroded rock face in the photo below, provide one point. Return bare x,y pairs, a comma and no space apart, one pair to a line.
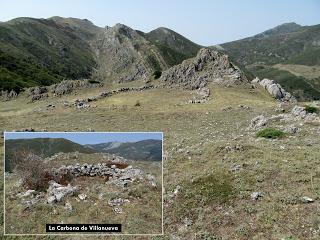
274,89
208,65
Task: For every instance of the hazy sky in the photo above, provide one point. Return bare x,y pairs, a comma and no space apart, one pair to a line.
87,137
205,22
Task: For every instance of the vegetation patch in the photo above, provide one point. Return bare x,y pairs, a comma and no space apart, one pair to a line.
270,133
157,74
310,109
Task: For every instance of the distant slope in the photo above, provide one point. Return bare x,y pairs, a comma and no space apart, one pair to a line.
143,150
288,43
174,47
43,147
44,51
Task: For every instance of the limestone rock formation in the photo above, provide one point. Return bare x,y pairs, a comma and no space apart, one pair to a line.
274,89
208,66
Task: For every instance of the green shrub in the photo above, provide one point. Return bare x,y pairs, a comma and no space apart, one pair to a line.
270,133
93,81
157,74
137,104
310,109
213,187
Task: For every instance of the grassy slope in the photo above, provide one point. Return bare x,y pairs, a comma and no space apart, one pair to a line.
195,138
42,52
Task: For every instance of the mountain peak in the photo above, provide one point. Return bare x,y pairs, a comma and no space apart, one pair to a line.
280,29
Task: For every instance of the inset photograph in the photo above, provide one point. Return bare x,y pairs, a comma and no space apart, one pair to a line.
83,178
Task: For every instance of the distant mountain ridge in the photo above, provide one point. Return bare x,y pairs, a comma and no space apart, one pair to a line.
41,52
149,149
45,51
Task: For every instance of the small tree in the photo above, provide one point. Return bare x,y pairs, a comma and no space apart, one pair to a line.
32,169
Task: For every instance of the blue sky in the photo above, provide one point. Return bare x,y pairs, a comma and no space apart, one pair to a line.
87,137
205,22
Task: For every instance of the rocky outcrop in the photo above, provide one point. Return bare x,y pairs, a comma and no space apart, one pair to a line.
274,89
7,96
59,89
208,66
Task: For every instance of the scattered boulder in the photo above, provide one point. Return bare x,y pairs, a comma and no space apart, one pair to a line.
68,206
258,122
57,192
82,196
26,194
306,199
291,129
118,210
117,202
299,111
255,196
203,96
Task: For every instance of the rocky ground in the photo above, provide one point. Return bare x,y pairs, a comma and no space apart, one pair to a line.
238,164
221,181
99,191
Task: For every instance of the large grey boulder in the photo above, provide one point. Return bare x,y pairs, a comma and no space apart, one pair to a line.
274,89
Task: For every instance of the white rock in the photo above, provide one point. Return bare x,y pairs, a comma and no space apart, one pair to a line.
82,196
255,195
306,199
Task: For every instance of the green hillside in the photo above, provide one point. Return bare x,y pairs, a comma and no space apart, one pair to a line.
43,147
44,51
173,47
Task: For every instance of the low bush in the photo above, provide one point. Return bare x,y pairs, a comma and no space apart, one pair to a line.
270,133
157,74
310,109
34,172
137,104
